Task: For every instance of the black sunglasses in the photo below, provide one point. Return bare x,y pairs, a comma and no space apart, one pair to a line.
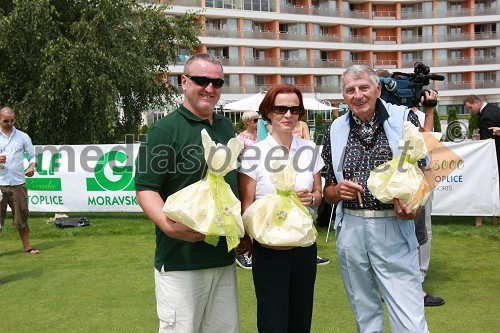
255,120
205,81
6,121
282,109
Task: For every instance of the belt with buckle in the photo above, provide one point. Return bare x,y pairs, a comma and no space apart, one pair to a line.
365,213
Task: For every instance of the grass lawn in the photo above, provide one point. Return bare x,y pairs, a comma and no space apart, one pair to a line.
100,279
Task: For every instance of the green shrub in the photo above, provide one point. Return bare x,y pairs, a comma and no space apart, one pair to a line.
320,129
473,124
240,126
437,122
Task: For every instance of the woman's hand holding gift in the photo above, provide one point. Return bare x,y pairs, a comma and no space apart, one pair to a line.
245,245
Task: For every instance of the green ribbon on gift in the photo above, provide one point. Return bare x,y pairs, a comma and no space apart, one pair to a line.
288,200
224,221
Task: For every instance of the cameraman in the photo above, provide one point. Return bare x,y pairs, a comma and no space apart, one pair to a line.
423,221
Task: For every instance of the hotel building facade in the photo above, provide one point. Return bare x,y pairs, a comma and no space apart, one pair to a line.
309,43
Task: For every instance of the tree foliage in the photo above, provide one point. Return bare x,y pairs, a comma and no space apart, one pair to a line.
473,124
453,129
68,67
319,129
437,121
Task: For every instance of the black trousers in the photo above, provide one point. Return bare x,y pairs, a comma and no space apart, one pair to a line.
284,286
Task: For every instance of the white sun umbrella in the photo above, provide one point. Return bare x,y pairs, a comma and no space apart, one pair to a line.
252,103
247,104
314,104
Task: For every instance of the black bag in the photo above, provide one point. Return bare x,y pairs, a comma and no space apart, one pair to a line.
69,222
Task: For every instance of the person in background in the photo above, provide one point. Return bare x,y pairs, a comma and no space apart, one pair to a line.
14,144
366,136
423,220
249,137
264,128
489,116
495,130
283,277
302,130
195,282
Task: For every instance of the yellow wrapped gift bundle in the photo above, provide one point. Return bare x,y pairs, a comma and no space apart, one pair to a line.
280,219
401,177
209,206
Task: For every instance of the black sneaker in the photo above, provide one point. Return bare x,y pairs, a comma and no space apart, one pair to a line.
430,300
322,261
244,261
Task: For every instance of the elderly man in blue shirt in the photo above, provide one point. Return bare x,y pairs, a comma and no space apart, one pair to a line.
13,145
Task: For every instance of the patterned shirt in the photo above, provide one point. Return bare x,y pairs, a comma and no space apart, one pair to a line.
362,157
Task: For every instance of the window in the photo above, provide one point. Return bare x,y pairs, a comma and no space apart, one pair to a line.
489,52
485,76
288,79
455,77
409,8
259,54
455,5
220,52
411,32
455,54
289,54
218,24
411,56
293,28
326,80
260,80
455,30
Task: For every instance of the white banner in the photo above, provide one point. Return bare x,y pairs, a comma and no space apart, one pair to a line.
100,178
96,178
467,186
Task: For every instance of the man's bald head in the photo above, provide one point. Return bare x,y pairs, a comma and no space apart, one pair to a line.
6,111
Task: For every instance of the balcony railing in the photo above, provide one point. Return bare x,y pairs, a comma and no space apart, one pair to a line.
335,63
486,60
384,15
417,39
454,62
282,35
289,36
331,12
190,3
385,40
326,89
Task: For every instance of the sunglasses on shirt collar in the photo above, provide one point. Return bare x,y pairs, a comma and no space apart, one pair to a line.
204,81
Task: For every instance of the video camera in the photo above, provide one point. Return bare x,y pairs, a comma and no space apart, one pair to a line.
407,88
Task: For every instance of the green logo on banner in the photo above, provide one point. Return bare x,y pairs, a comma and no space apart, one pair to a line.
43,184
125,182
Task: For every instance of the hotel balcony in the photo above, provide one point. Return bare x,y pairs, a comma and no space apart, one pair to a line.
336,63
443,87
335,12
236,35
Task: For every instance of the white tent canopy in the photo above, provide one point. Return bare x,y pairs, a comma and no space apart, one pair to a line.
247,104
252,103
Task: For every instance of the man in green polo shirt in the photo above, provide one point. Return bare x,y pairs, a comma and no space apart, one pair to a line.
195,282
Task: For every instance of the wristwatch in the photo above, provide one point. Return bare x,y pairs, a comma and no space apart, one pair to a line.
313,200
